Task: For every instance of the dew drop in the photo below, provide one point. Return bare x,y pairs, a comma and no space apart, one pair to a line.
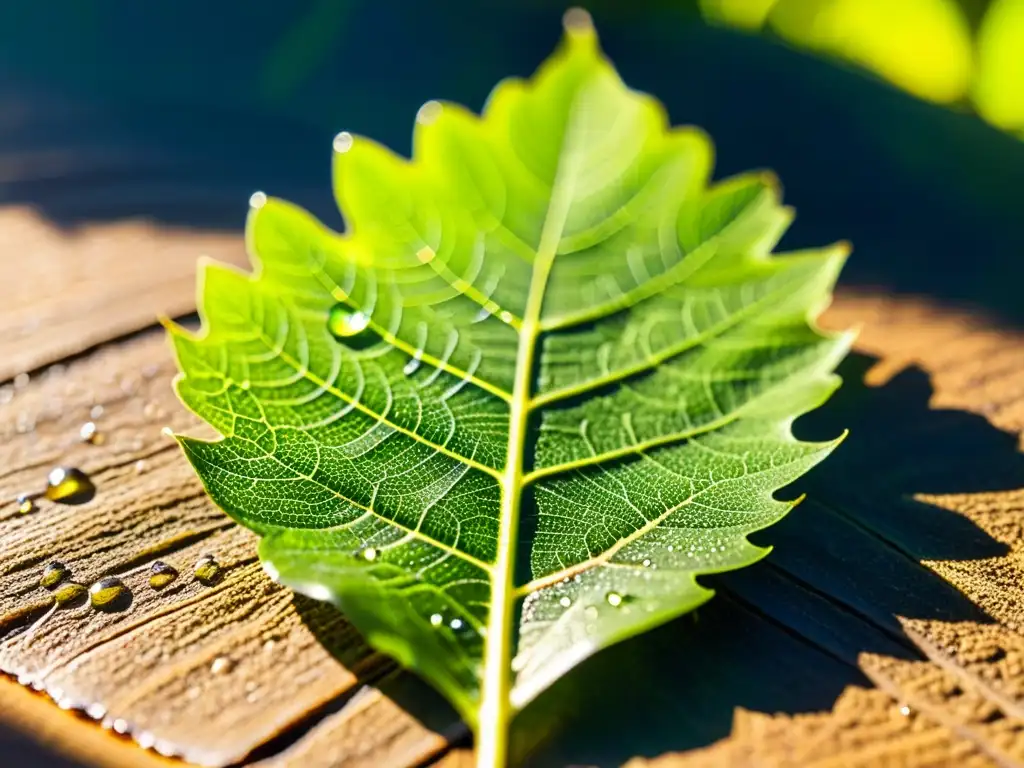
370,554
505,315
577,21
429,112
26,503
141,466
646,563
69,593
257,200
53,574
107,592
161,574
221,665
343,142
614,599
565,602
90,434
411,367
436,619
455,624
69,485
351,328
670,548
905,710
425,254
208,571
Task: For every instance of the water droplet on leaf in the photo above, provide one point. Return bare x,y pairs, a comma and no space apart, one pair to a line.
456,624
436,619
343,142
351,327
565,602
257,200
370,554
614,599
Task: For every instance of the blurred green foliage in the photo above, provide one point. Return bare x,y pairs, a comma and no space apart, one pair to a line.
946,51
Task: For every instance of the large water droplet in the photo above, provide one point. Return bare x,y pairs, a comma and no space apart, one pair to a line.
208,570
222,665
614,599
53,574
436,619
351,327
108,593
370,554
161,574
69,485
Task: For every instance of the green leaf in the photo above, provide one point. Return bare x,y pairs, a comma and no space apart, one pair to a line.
544,380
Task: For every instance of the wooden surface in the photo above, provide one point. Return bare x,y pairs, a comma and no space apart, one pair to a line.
887,627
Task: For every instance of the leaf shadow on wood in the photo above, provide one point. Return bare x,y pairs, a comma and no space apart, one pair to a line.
784,635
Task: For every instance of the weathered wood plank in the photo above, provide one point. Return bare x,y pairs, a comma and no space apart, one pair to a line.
210,673
69,290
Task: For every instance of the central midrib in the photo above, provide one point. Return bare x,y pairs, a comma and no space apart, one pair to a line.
495,715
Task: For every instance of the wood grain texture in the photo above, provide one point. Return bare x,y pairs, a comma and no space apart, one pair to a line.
61,298
902,570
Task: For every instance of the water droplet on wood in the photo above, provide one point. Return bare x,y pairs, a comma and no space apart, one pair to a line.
90,434
108,592
53,574
26,503
161,574
69,485
222,665
70,593
208,571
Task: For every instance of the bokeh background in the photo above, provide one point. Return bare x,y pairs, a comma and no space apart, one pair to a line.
895,124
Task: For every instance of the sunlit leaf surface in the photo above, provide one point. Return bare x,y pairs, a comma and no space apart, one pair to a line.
544,380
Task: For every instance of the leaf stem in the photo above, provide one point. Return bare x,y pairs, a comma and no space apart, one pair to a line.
493,725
